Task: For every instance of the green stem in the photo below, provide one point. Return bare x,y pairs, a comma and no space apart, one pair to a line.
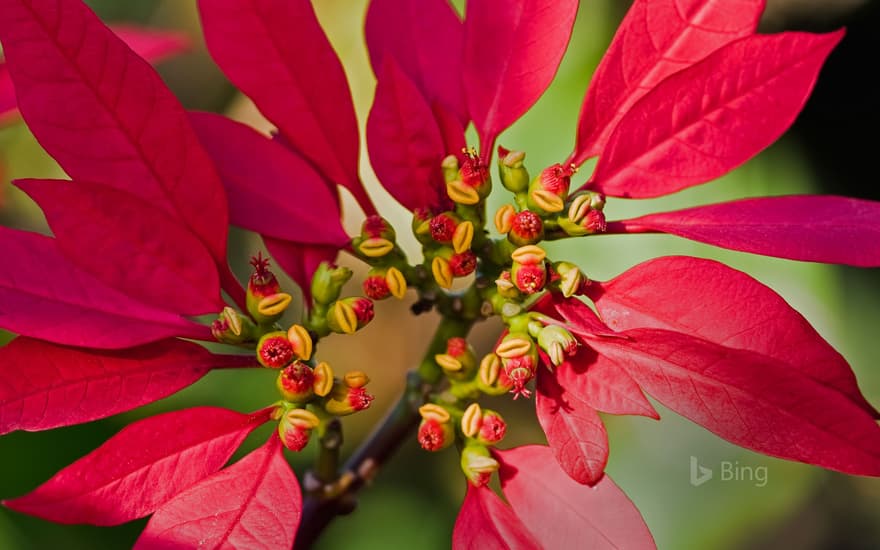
399,425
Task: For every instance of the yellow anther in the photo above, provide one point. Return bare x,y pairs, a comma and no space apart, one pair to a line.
356,379
301,340
233,320
529,255
302,418
570,282
547,201
482,464
461,193
442,272
504,284
463,237
448,362
375,247
450,168
274,304
579,207
323,379
513,347
345,317
471,420
504,218
490,368
430,411
396,282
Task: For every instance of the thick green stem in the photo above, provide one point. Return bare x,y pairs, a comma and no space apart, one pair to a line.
400,424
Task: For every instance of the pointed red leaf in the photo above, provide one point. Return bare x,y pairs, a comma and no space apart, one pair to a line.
130,245
656,39
602,385
255,504
271,189
813,228
707,299
425,38
706,120
299,261
44,386
8,105
512,49
750,399
154,45
405,144
485,522
141,468
46,297
577,317
290,70
563,514
574,430
105,115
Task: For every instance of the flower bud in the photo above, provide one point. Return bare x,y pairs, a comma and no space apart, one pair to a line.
295,428
518,371
274,350
382,282
443,227
477,464
323,379
492,428
348,315
548,191
489,380
567,277
344,400
474,174
459,361
529,278
557,342
327,282
505,286
421,225
504,218
296,382
514,176
265,301
585,215
526,228
463,264
231,327
377,227
435,431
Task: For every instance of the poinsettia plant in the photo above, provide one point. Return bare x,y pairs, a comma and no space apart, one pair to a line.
110,309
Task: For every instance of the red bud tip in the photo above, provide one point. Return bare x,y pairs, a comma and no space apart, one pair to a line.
526,228
530,278
473,172
443,228
376,287
556,179
433,436
296,439
463,264
594,222
502,151
363,308
376,227
456,346
493,428
359,399
296,382
274,350
262,282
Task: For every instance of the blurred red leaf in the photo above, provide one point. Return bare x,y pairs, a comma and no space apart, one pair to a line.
141,468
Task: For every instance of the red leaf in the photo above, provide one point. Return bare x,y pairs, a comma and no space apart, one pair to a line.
44,386
425,38
702,122
512,49
46,297
405,144
574,431
812,228
141,468
299,261
154,45
750,399
255,503
271,189
707,299
105,115
8,105
564,514
486,523
129,245
656,39
276,52
602,385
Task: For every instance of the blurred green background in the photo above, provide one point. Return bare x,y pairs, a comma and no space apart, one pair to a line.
414,501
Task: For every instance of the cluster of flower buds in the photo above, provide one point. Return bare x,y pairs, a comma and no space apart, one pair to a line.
450,243
522,228
585,214
348,315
